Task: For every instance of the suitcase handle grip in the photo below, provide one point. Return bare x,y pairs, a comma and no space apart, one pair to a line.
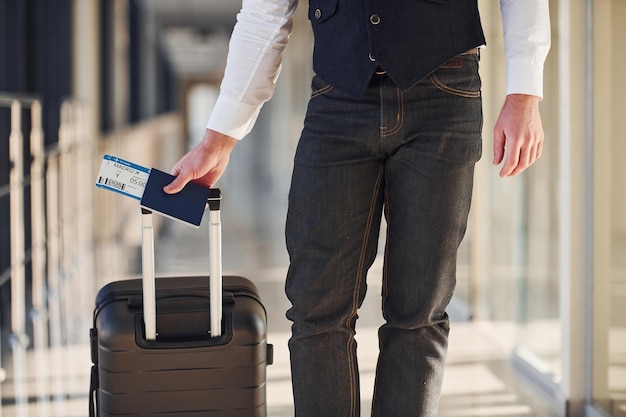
182,339
136,301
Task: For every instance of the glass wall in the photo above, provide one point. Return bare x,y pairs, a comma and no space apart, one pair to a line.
537,282
513,234
544,261
609,272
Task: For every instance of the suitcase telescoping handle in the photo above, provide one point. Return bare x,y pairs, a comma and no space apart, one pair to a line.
215,277
215,248
147,274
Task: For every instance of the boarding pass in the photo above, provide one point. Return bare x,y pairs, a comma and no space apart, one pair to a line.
122,176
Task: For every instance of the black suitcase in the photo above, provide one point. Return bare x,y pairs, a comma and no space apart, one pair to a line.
209,356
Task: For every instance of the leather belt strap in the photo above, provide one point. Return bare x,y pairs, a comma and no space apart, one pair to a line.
473,51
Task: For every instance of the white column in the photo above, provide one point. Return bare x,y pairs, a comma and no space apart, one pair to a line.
575,200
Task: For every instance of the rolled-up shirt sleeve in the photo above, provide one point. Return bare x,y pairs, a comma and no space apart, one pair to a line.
256,48
527,40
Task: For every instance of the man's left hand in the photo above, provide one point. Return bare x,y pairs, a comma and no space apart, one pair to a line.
518,134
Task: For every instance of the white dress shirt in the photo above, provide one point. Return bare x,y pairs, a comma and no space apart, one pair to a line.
263,28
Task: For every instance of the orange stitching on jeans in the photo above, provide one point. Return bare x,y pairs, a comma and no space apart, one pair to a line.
443,87
355,297
321,91
400,116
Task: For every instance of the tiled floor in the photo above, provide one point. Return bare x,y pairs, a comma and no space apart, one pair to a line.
473,385
479,380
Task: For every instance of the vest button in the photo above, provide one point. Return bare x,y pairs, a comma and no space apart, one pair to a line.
371,57
318,13
374,19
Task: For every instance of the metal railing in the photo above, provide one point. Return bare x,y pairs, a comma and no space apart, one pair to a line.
61,234
19,340
54,279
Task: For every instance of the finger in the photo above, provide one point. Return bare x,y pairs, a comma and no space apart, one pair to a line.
176,185
498,146
539,150
528,156
511,160
526,159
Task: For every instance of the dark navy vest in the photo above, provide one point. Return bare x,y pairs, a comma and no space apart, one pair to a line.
409,39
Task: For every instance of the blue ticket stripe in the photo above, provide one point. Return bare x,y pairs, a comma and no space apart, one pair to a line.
121,161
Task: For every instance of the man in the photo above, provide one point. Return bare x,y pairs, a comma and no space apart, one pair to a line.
393,128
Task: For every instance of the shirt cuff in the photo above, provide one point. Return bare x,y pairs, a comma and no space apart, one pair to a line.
524,76
232,117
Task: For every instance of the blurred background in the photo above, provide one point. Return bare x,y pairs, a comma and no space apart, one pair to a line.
540,308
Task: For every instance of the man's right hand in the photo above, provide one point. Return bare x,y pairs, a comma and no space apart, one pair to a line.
204,164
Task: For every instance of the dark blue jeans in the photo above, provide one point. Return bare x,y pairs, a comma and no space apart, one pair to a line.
409,155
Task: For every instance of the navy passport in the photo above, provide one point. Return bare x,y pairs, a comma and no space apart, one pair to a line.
187,205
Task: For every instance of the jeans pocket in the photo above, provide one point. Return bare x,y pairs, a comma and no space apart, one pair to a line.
319,87
459,77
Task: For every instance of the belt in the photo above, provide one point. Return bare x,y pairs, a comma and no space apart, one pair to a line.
474,51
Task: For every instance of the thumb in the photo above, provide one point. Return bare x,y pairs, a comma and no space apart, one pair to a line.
176,185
